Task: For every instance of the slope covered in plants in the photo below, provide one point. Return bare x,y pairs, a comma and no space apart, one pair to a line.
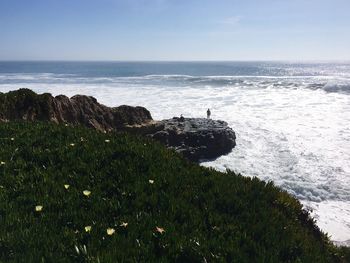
71,194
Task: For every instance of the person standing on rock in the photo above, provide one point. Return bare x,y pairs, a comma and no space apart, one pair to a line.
208,114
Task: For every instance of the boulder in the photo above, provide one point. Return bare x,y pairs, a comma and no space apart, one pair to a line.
196,138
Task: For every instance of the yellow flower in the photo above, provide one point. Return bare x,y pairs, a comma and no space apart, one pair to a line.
66,186
2,163
38,208
88,228
151,181
110,231
107,140
86,192
160,230
124,224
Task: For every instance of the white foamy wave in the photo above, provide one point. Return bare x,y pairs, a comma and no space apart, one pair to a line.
326,83
33,76
332,215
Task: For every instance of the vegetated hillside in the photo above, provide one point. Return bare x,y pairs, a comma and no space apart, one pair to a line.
71,194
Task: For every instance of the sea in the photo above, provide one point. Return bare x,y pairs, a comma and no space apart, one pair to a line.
292,120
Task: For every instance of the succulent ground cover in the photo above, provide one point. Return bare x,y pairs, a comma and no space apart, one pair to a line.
72,194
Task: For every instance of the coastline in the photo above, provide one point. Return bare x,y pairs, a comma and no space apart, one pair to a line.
287,132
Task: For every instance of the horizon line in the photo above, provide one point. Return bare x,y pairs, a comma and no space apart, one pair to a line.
181,61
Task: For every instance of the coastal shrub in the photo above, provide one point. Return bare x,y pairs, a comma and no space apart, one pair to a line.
71,194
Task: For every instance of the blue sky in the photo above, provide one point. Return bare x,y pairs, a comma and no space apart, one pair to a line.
174,30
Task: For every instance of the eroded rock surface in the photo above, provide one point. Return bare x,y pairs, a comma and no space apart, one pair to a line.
197,138
26,105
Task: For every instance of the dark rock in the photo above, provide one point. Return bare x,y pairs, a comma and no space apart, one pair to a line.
197,138
25,104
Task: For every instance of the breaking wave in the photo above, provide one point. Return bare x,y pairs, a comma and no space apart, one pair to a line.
326,83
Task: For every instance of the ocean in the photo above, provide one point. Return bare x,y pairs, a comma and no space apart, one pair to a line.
292,120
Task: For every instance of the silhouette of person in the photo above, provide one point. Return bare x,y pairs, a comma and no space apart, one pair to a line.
182,118
208,114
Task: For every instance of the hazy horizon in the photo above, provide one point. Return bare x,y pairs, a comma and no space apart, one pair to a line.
183,61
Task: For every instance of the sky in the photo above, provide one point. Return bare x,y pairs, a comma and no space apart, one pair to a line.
176,30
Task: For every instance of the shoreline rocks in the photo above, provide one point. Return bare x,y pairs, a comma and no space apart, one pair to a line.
25,104
195,138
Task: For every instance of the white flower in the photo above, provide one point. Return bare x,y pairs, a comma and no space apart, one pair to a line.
38,208
124,224
151,181
160,230
110,231
86,192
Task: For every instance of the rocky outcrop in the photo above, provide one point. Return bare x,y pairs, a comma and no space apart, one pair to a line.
197,138
25,104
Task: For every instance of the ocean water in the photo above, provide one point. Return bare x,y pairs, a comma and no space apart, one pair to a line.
292,120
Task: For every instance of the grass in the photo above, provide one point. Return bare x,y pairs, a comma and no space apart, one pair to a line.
63,188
